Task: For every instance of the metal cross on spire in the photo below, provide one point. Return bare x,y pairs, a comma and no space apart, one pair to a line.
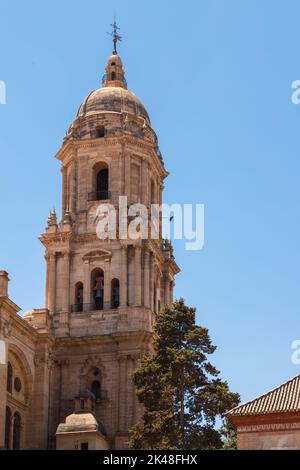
116,37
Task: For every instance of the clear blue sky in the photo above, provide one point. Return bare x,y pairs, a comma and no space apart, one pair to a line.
216,78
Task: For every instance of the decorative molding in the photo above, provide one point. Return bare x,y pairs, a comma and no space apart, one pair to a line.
97,254
46,358
268,427
5,327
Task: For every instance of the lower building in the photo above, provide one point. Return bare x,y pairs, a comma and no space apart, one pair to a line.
271,421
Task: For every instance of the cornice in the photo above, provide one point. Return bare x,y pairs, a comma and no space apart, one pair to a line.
72,146
11,307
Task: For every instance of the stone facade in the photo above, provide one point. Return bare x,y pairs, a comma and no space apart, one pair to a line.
102,296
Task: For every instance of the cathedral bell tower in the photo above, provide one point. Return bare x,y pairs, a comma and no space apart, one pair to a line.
103,295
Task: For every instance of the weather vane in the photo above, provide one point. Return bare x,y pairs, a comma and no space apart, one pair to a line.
116,37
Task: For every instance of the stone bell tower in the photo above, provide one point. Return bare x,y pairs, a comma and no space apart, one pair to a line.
103,295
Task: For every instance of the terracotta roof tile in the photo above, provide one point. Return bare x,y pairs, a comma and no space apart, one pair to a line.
285,398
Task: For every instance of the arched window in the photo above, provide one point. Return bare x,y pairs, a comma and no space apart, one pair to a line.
7,428
97,289
113,75
79,297
115,293
102,180
100,132
96,389
9,382
102,184
16,431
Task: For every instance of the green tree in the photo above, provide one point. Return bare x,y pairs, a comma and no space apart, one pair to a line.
179,388
229,436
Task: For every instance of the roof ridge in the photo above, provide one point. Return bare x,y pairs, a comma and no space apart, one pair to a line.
264,394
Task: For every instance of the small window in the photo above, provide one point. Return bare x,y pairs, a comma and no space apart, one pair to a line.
17,384
96,389
9,378
113,63
113,75
100,132
84,446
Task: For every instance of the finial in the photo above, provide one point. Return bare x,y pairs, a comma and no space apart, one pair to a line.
116,37
52,219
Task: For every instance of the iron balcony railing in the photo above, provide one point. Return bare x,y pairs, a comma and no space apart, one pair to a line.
99,195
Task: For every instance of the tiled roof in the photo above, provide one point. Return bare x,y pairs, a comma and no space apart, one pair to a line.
283,399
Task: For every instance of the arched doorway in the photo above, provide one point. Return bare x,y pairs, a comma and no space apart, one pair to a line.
16,445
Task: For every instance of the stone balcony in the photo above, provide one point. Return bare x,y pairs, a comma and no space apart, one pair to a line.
105,322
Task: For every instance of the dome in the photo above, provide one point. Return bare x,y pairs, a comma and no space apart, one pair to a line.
111,110
111,99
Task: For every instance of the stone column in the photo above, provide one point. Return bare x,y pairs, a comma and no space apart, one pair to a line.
3,377
130,391
166,289
160,191
151,291
123,280
145,182
158,295
66,283
122,394
73,188
107,286
172,284
127,177
47,282
146,278
52,282
138,275
86,284
40,412
121,172
64,190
